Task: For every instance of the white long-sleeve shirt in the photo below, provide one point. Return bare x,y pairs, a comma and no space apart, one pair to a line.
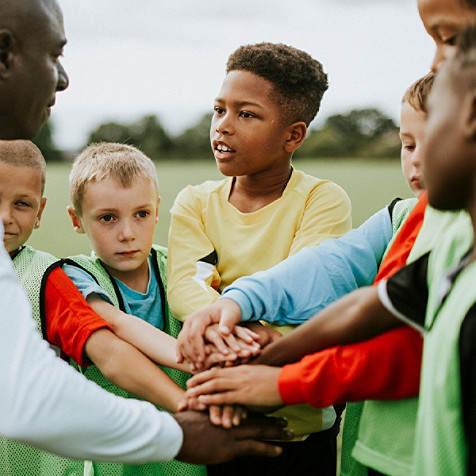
45,403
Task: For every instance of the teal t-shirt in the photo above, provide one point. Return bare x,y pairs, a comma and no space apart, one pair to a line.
147,306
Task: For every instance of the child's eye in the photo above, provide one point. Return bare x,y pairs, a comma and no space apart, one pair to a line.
451,41
106,218
218,110
246,114
23,204
143,214
409,147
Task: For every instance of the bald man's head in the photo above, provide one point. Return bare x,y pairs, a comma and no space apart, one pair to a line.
31,41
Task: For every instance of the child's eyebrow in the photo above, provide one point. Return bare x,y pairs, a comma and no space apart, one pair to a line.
240,103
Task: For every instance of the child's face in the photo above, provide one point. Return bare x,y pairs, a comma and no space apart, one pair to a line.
120,224
443,20
21,204
246,133
448,159
412,131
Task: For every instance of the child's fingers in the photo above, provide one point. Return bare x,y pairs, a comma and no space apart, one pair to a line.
245,334
239,414
227,414
217,340
232,343
215,413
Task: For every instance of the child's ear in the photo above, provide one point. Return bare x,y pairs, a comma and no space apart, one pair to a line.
470,116
296,134
6,52
78,228
40,212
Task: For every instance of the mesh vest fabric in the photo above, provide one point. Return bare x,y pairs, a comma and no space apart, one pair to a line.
349,465
376,446
92,265
440,446
17,458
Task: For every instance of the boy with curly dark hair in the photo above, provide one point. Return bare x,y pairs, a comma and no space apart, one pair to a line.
263,212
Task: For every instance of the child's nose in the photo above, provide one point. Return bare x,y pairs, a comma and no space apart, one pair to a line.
416,158
223,125
126,232
6,213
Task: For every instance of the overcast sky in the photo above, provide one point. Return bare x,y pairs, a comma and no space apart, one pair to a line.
129,58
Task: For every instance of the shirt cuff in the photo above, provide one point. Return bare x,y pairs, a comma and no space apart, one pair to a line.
241,299
173,434
288,385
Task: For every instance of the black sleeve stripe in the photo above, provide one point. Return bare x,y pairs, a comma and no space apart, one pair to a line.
387,303
212,258
392,206
467,355
407,291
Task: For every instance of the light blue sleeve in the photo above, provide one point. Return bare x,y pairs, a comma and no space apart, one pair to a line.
85,282
300,286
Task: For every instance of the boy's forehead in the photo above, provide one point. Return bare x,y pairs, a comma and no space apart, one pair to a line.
246,85
21,177
112,186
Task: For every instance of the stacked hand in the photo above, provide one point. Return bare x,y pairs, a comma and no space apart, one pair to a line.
211,336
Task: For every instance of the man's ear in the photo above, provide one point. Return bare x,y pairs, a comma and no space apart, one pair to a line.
469,116
6,52
77,226
296,134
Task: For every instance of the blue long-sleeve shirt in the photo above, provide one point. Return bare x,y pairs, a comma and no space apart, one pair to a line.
300,286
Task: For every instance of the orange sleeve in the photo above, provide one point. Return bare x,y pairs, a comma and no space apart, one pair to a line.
386,367
69,319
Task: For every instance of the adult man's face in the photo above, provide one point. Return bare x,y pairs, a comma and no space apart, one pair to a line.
30,70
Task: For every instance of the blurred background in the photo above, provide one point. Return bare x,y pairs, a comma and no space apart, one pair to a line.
146,73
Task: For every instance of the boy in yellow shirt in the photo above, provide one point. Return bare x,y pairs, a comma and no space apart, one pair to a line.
262,213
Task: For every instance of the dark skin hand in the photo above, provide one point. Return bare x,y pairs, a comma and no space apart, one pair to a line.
204,443
356,317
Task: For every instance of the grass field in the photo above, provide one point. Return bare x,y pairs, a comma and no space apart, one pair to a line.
370,184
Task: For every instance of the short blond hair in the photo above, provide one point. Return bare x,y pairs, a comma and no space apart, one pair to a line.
120,162
417,94
23,153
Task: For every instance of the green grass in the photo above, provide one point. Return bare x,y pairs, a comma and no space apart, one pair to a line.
370,184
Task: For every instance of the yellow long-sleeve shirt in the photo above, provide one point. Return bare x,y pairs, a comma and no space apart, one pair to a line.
211,244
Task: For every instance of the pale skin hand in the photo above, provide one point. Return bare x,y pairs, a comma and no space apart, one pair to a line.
191,340
250,385
243,343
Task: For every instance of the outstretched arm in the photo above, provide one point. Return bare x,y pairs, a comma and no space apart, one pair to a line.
303,284
386,367
358,316
156,344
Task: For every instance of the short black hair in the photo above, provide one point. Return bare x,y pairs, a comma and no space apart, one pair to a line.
299,80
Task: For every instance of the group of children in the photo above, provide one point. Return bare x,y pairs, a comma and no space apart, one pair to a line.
270,244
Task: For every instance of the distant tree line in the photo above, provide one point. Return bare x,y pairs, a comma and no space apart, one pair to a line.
365,133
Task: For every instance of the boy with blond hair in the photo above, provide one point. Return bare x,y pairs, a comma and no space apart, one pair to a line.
115,199
263,212
61,314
